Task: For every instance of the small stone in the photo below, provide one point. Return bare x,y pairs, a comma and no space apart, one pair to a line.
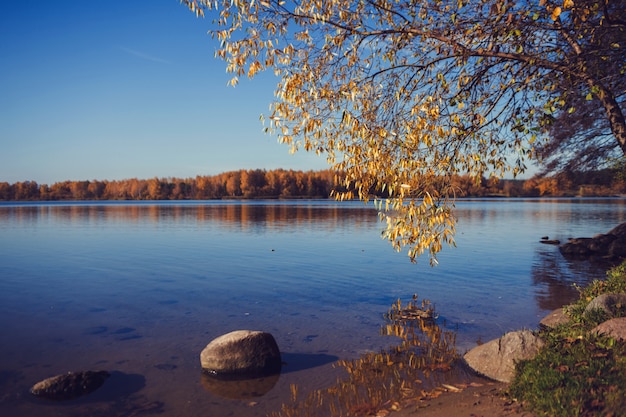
70,385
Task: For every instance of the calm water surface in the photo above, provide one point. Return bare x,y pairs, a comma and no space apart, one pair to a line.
140,288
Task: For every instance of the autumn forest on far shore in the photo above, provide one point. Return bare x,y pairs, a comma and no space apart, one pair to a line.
285,184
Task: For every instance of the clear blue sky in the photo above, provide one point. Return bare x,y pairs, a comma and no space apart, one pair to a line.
123,89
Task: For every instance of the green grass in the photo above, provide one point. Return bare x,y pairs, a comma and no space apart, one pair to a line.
578,373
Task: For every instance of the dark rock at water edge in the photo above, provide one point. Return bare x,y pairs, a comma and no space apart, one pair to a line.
242,352
70,385
611,245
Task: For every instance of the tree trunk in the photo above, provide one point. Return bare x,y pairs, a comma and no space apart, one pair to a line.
614,114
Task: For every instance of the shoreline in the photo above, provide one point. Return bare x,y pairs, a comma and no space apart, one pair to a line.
480,397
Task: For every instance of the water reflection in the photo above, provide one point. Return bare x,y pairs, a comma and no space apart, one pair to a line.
119,385
143,286
422,357
295,362
239,388
246,216
553,279
555,276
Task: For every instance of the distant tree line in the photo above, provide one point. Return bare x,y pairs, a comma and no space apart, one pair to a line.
245,184
285,184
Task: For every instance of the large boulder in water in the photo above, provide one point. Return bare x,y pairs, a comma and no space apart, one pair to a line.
496,359
70,385
240,352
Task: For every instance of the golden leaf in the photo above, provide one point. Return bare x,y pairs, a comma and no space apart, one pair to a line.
451,388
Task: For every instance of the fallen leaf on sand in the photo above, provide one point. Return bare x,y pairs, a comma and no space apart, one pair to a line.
451,388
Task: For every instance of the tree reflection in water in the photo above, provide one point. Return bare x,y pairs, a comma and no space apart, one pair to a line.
414,368
556,276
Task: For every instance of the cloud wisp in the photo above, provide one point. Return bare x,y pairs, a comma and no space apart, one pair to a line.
143,55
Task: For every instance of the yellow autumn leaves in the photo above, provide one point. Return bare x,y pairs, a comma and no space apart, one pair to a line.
401,96
555,11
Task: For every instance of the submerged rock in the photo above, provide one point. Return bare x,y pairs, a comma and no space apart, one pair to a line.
70,385
241,352
496,359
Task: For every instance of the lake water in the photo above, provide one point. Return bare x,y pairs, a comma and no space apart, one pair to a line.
139,289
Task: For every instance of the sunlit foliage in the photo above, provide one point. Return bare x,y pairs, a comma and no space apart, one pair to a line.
287,184
400,95
242,184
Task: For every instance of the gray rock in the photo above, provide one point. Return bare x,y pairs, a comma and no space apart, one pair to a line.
611,304
241,352
554,319
496,359
70,385
615,328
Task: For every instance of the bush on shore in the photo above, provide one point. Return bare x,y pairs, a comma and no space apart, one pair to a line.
578,373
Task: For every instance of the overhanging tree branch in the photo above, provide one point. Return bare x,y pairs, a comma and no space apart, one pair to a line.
404,94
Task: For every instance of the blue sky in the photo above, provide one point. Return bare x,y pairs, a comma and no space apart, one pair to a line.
125,89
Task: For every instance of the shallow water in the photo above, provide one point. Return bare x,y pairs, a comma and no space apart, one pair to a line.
141,288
